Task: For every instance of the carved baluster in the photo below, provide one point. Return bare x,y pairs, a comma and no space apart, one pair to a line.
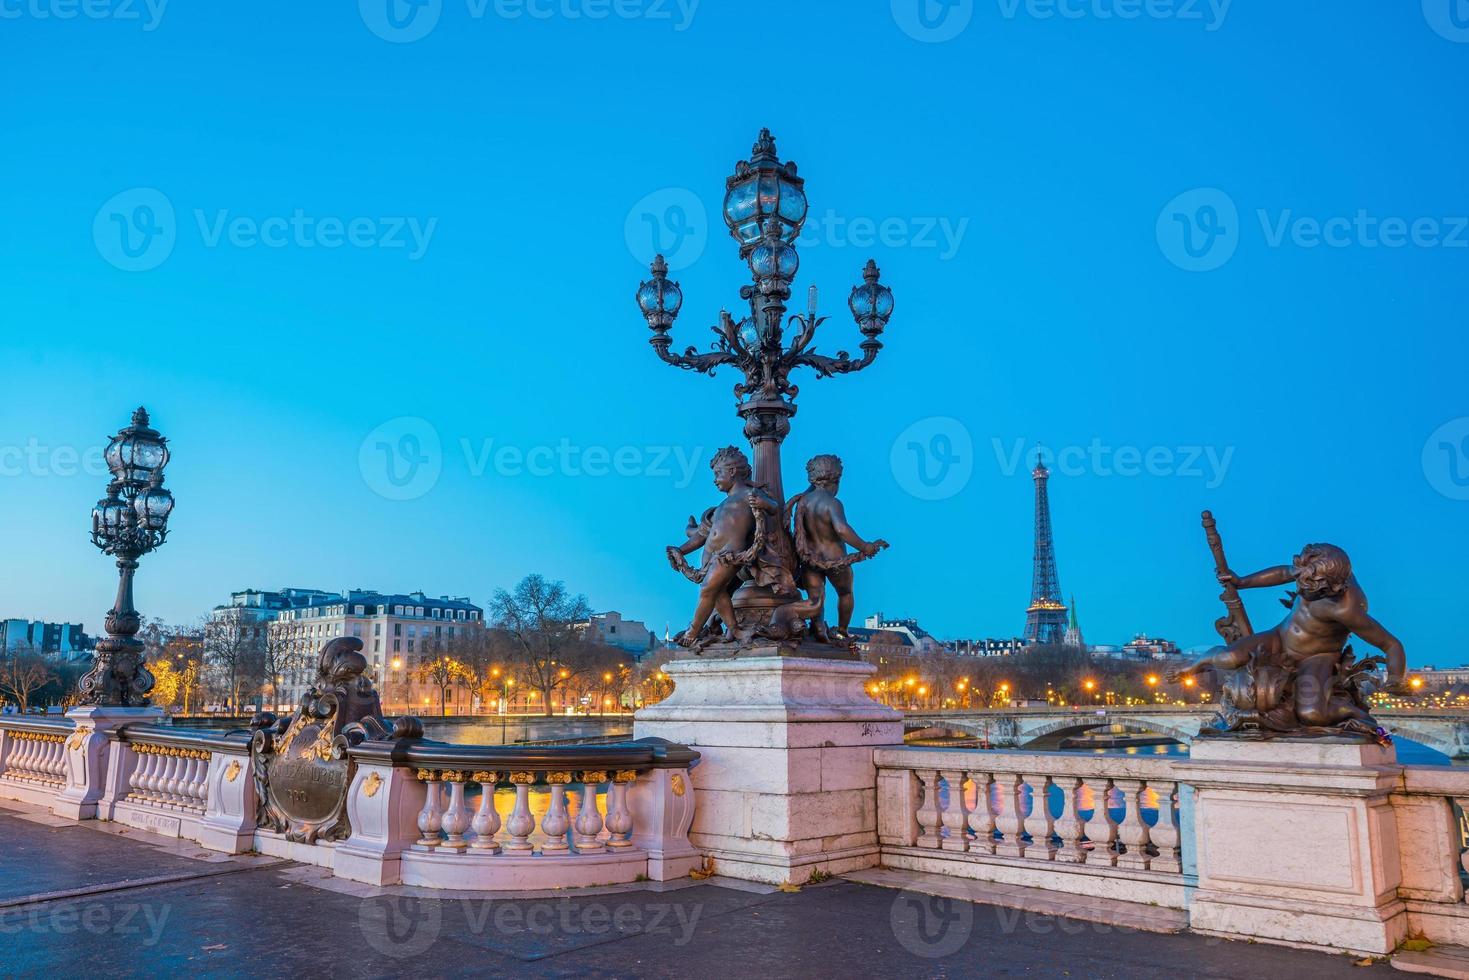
588,819
1039,822
1134,829
58,762
1165,835
23,758
144,772
1101,829
1070,826
1011,819
556,821
456,815
431,817
929,814
982,816
138,775
521,823
155,776
187,774
201,783
954,817
486,820
619,816
168,782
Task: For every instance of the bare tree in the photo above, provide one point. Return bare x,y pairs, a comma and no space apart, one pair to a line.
235,649
540,618
23,672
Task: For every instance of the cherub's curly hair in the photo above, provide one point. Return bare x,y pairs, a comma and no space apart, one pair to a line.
734,457
824,470
1324,569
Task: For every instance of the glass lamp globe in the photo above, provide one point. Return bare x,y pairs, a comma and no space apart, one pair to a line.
135,453
871,302
660,297
763,188
110,514
774,260
153,505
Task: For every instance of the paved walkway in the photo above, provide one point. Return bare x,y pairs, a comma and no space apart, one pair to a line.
98,900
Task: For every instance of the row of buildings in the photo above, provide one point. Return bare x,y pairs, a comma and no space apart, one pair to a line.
908,638
400,632
63,641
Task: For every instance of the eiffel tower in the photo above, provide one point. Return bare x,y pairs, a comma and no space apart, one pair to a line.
1045,619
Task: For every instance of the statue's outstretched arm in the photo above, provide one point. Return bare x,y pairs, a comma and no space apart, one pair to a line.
1276,575
1359,621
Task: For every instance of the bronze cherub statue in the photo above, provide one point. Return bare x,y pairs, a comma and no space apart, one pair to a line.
1301,677
820,530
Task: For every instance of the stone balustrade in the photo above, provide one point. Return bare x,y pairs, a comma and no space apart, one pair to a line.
181,783
506,817
33,757
1096,825
1430,804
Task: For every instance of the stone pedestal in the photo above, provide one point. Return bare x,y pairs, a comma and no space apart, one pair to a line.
786,783
87,756
1297,843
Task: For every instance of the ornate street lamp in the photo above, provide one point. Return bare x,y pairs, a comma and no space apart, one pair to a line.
765,208
129,522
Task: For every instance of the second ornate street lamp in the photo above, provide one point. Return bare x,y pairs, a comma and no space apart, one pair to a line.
765,208
128,523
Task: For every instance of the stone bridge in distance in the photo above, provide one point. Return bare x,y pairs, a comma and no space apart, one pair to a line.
1446,731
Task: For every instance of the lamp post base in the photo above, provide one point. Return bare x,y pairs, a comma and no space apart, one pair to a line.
786,783
90,775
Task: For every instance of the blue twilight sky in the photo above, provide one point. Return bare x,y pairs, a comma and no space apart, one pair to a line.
1213,255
